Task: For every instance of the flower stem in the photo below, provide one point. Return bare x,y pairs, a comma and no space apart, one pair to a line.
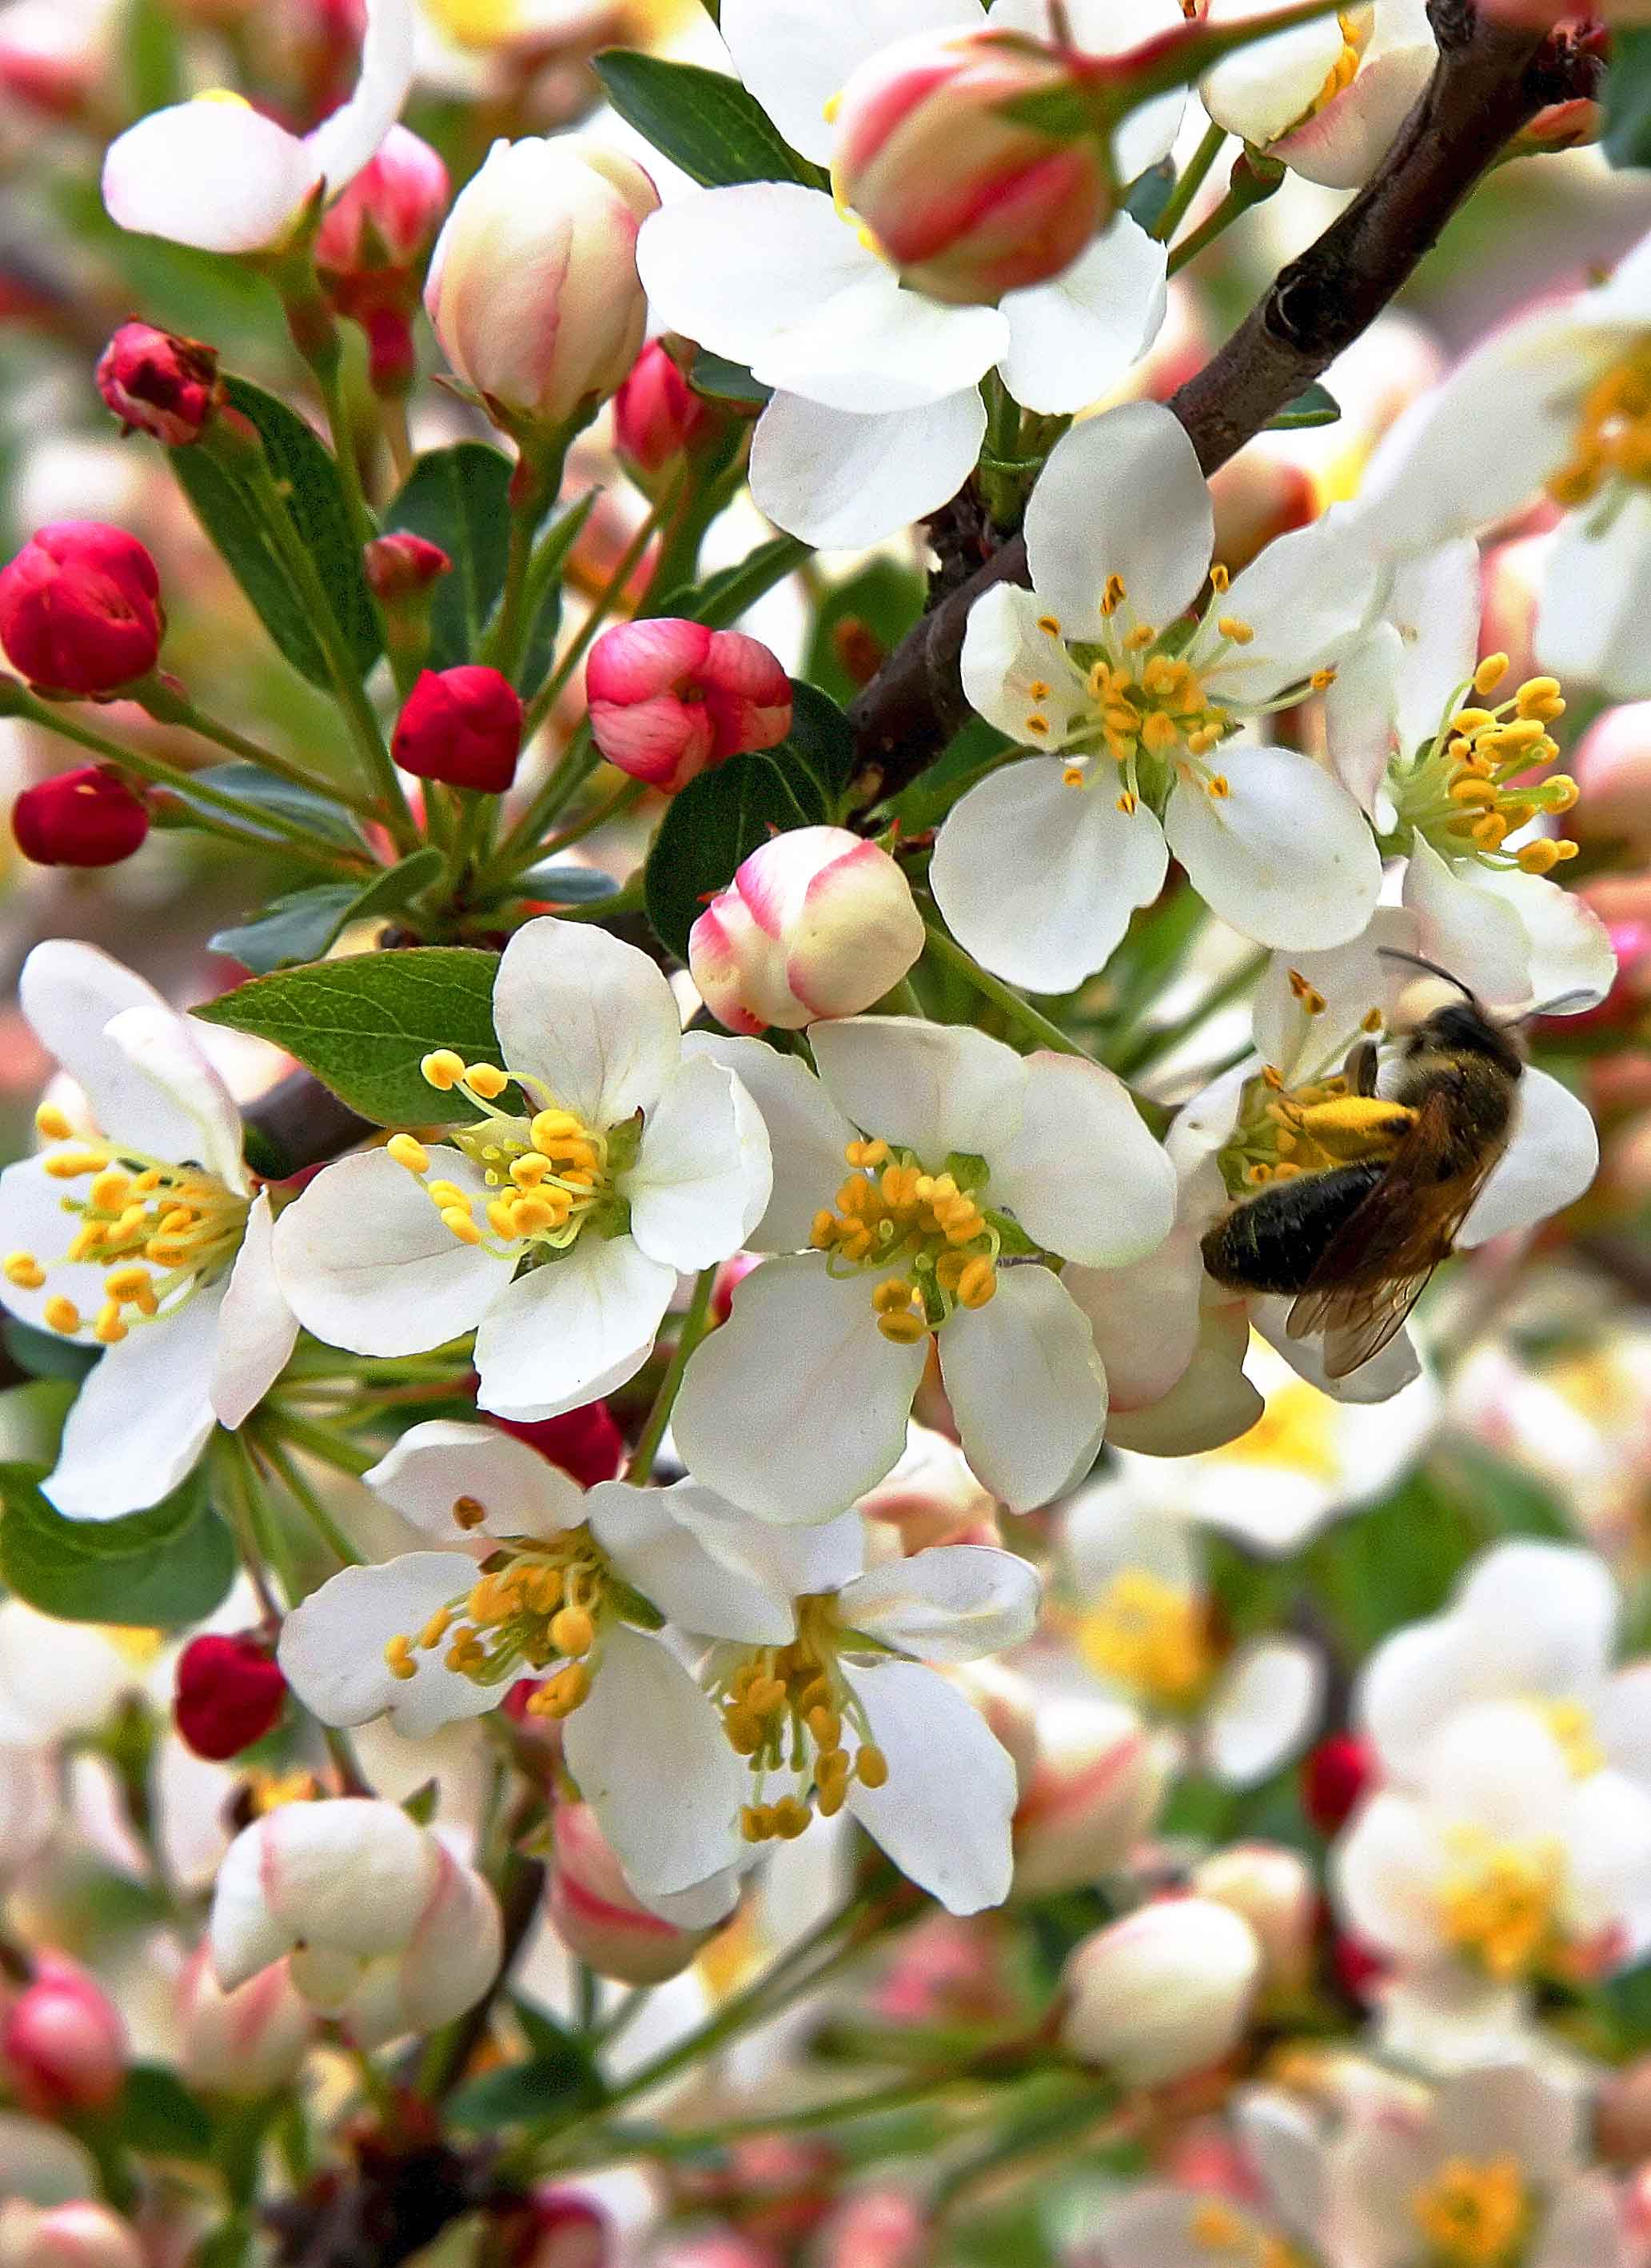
1254,180
695,1323
304,1497
269,760
1151,1047
1193,176
1014,1003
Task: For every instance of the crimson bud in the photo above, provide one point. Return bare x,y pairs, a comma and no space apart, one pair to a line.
228,1693
387,218
158,384
89,817
669,698
462,726
401,565
658,417
586,1443
80,609
62,2044
1334,1776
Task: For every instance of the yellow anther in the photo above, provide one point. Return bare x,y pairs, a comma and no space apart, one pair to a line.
1310,998
871,1767
1542,697
68,1165
828,1728
109,1192
61,1315
457,1219
502,1217
566,1690
24,1270
409,1152
1241,633
1490,672
487,1080
1470,721
905,1330
551,1128
1113,595
791,1818
754,1823
1038,727
1049,624
1220,579
1322,679
1072,776
572,1631
436,1630
891,1297
397,1656
1218,787
445,1193
1126,803
978,1283
1140,638
130,1282
443,1069
108,1329
52,1122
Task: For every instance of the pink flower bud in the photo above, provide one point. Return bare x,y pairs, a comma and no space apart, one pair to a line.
598,1917
1165,1993
62,2044
387,218
669,698
242,2044
1273,1889
658,417
228,1692
77,2236
403,566
89,817
816,923
877,2228
158,384
966,203
462,726
532,290
1612,767
932,1495
563,2230
1095,1791
80,608
585,1443
1334,1777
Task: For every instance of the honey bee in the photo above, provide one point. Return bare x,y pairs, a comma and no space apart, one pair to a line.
1356,1243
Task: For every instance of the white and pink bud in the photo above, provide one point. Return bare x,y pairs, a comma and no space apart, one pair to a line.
817,923
1163,1993
380,1926
1612,765
533,287
966,201
243,2044
79,2235
62,2045
932,1496
599,1917
1093,1796
387,218
1273,1889
669,698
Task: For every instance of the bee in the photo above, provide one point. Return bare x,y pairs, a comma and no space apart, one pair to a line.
1356,1243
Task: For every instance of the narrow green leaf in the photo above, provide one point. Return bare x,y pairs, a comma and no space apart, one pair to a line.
723,598
1318,406
1627,138
301,926
363,1025
158,2117
262,791
563,884
718,821
720,380
459,497
819,744
528,2090
703,121
158,1569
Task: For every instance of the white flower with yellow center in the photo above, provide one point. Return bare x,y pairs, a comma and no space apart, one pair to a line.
1138,707
554,1228
1279,2223
923,1184
141,1238
1327,98
1490,2173
876,417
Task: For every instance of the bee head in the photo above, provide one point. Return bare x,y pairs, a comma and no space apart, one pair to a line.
1438,1013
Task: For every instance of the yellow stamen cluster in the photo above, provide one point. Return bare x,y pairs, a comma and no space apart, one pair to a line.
890,1212
1235,2240
786,1708
1613,434
1473,788
1355,35
549,1172
1283,1131
1500,1902
526,1611
1474,2213
1573,1727
1152,1636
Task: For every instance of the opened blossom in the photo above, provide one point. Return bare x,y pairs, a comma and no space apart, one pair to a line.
1325,98
921,1184
556,1228
1272,2204
143,1239
1038,868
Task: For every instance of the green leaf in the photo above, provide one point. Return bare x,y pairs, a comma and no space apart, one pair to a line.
301,926
703,121
42,1354
1149,193
158,1569
720,380
459,497
32,1420
363,1025
158,2117
1627,138
718,821
568,885
723,598
819,744
224,503
507,2097
875,606
153,54
256,788
1318,406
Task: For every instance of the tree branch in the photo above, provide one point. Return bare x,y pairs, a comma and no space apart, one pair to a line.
1490,82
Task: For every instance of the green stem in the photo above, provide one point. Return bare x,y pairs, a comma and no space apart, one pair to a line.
601,606
523,845
1151,1047
896,2094
328,377
624,799
320,1443
1193,176
694,1326
533,491
1014,1003
1253,181
308,1502
269,760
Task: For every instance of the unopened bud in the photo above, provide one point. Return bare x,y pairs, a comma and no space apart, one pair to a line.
386,219
80,609
1612,767
89,817
669,698
1622,2114
76,2235
246,2043
1165,1993
158,384
1094,1794
658,417
403,566
816,923
1273,1889
586,1443
62,2045
598,1917
1334,1777
564,2229
966,202
932,1496
228,1692
463,726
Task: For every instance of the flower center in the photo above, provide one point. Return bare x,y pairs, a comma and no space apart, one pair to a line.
787,1710
1472,788
1474,2213
1215,2227
1613,434
1355,26
553,1174
1572,1725
478,23
1306,1128
1297,1430
1500,1902
1152,1636
892,1214
161,1230
529,1609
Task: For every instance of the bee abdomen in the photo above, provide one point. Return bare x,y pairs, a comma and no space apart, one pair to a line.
1274,1242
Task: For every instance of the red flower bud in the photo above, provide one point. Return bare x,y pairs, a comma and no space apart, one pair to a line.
670,698
80,608
585,1443
388,217
61,2041
401,565
562,2229
159,384
658,417
228,1693
462,726
90,817
1334,1777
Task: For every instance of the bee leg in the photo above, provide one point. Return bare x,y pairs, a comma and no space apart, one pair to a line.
1355,1126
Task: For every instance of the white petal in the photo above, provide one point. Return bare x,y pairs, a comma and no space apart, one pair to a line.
929,1087
1073,339
703,1170
1383,1873
807,1134
345,140
1145,1317
647,1751
664,1559
841,481
1550,1162
1026,1388
1121,495
1515,2111
70,994
1265,1713
1105,1529
566,1334
1342,144
1557,1603
1006,652
1263,89
437,1465
366,1263
217,175
881,347
787,1563
1303,598
943,1813
1287,858
1595,595
1475,934
1584,2228
953,1602
332,1645
1038,880
1082,1173
794,56
160,1046
141,1418
1435,605
797,1405
589,1017
1572,962
256,1327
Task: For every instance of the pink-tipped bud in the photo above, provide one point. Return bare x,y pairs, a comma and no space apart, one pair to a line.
229,1692
1612,767
462,726
1334,1778
246,2043
89,817
562,2229
158,384
80,609
658,417
586,1443
816,923
76,2235
1273,1889
403,566
62,2045
387,218
1095,1791
669,698
1163,1993
599,1917
966,202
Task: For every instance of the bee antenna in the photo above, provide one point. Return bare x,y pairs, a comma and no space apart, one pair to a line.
1416,961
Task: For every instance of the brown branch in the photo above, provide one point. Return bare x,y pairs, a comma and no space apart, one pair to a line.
1490,82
